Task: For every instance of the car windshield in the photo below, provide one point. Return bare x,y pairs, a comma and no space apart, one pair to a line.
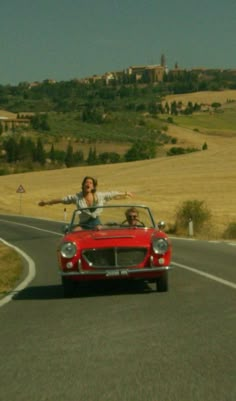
118,216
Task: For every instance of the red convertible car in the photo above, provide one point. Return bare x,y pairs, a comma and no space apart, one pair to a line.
128,244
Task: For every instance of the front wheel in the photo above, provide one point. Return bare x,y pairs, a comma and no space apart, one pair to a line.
162,282
69,287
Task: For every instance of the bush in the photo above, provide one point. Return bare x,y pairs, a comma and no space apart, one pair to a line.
4,171
175,150
230,232
194,210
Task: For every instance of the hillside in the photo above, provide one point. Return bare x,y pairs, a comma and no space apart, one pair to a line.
208,97
162,183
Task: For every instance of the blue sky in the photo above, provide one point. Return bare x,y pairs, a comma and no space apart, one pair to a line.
66,39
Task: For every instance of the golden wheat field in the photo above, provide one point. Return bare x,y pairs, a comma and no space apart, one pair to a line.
162,183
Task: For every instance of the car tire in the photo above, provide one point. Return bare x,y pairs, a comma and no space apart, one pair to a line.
162,282
68,287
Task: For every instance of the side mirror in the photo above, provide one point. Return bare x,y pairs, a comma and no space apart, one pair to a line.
65,229
161,225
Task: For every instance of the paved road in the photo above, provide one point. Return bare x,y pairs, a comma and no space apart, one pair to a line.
123,343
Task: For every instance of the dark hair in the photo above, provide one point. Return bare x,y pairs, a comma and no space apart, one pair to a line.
95,183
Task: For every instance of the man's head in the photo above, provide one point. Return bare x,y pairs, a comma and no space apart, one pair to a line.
132,216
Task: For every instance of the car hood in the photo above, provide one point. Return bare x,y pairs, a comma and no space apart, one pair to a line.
114,237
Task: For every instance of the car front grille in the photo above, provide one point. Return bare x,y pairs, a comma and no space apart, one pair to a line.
114,257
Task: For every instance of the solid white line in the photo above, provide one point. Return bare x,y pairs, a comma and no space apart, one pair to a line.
27,280
27,225
31,264
207,275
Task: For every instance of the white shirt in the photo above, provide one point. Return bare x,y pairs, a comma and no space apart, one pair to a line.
100,198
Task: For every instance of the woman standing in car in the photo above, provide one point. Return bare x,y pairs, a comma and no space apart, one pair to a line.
89,197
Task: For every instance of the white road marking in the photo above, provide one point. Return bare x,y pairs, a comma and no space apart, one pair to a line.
26,281
207,275
31,264
28,225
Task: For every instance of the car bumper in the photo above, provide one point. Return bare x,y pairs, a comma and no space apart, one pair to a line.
147,272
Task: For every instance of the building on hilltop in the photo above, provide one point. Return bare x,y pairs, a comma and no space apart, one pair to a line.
148,73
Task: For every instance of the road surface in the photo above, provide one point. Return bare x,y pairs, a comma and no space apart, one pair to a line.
122,343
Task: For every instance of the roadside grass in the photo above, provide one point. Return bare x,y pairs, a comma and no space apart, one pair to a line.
11,268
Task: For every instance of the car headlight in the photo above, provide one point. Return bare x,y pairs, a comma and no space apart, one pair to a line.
160,245
68,250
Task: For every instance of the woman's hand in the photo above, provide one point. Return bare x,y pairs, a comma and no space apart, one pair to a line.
44,203
129,195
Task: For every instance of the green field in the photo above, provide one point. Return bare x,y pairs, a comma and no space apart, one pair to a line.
224,120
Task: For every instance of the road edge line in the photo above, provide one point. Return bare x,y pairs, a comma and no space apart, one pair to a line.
30,276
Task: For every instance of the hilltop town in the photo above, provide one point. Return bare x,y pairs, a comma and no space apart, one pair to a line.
155,73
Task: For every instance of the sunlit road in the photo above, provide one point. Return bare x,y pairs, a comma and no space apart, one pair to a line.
119,343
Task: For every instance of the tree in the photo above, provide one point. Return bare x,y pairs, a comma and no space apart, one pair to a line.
173,108
153,108
93,115
92,156
69,159
39,154
216,105
78,157
167,108
39,122
11,147
26,149
141,151
108,157
52,154
114,157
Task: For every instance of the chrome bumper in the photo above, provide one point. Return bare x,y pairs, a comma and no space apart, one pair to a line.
122,272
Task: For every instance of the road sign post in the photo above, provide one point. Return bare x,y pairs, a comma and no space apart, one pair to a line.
20,190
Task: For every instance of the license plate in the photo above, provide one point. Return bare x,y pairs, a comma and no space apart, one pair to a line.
112,273
116,273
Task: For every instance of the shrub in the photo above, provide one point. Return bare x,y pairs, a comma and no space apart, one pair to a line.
230,232
194,210
175,150
141,150
4,171
216,105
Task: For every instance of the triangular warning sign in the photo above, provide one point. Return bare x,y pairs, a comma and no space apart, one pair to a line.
20,189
